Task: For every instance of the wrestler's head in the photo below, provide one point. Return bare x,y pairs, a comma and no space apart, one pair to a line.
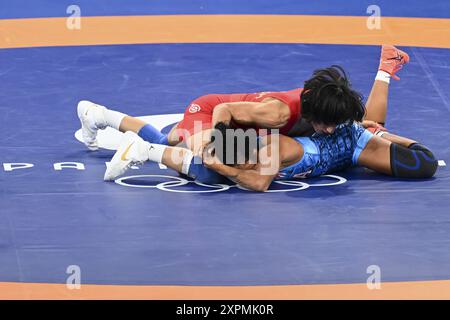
328,100
235,147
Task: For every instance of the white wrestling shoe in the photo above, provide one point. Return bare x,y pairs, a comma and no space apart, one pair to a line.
133,150
89,114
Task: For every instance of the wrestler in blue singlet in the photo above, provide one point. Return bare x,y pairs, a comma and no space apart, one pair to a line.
328,153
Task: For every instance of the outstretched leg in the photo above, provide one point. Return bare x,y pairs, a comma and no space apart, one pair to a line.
94,117
134,150
404,159
392,155
376,106
391,61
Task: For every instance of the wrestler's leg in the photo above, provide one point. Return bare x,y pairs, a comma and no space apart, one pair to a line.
94,117
173,137
194,131
184,161
376,106
188,132
403,159
391,61
99,117
134,150
130,123
379,148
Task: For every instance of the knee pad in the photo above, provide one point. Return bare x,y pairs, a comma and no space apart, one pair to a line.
415,162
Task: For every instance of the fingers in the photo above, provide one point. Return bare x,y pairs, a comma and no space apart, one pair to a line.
209,157
369,124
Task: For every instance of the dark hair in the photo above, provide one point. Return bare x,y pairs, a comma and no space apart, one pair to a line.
329,99
242,144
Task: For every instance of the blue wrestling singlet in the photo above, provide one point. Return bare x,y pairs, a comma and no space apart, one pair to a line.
328,153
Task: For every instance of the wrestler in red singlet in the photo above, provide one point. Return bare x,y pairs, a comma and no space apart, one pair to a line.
200,110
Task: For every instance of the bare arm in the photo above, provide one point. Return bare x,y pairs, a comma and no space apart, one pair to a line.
398,139
257,178
251,179
270,113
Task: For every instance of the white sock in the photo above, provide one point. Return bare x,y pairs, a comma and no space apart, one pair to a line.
383,76
155,152
187,159
113,118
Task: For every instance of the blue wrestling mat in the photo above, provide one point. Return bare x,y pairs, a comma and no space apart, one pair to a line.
156,228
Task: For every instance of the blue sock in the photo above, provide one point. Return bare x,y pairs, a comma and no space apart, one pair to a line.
152,135
202,174
164,140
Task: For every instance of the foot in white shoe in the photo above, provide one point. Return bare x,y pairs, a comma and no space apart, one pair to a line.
88,113
132,150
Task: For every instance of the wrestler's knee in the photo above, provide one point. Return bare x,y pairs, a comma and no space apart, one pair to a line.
416,161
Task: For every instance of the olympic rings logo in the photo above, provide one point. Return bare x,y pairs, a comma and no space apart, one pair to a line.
175,182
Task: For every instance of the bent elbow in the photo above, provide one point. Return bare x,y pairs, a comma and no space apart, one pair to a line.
263,186
256,186
278,119
260,189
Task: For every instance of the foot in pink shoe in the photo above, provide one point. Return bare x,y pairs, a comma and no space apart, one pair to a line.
392,60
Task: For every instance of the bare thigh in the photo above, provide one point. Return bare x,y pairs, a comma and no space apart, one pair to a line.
192,142
376,155
198,140
173,137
